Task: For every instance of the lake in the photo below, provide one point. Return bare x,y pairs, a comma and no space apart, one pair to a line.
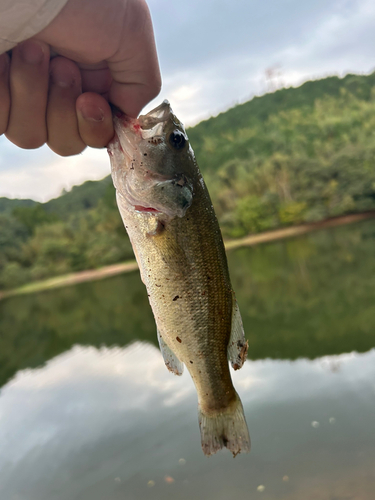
88,411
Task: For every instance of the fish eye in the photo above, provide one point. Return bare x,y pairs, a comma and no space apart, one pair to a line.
177,139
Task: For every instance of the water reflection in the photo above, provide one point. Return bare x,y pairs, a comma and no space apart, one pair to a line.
308,297
88,410
104,423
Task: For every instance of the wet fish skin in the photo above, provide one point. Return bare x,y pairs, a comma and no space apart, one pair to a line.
177,241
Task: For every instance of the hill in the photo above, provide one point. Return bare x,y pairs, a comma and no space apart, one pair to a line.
258,111
83,197
296,155
7,205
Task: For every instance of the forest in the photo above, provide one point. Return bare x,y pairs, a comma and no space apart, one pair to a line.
293,156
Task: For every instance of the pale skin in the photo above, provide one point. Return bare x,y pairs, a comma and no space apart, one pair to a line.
55,89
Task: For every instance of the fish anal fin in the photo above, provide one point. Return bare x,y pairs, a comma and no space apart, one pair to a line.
171,361
238,345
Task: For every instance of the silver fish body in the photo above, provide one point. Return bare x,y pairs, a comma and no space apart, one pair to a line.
177,242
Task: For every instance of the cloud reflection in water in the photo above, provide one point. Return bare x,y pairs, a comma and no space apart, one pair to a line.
70,428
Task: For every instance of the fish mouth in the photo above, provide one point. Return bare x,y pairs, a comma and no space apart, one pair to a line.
153,124
157,116
146,126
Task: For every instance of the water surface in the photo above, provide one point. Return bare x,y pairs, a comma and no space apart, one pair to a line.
88,410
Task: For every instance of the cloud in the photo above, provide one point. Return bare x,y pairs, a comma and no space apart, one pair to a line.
41,174
223,49
214,54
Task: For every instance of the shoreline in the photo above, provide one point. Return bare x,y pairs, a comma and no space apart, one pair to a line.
289,232
125,267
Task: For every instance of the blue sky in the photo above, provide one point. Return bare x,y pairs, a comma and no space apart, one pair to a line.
214,54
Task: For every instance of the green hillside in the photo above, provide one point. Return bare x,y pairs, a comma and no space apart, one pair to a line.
297,155
7,205
293,156
83,197
210,137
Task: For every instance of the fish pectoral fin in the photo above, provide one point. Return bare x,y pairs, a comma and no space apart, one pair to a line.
238,345
171,361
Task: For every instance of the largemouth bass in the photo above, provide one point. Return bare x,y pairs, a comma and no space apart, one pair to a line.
176,238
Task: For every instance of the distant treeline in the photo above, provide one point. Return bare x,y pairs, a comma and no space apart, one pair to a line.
307,297
294,156
80,230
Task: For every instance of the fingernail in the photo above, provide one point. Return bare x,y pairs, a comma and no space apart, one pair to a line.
63,77
32,52
92,113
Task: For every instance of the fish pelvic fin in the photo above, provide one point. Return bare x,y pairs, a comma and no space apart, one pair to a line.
224,429
238,345
171,361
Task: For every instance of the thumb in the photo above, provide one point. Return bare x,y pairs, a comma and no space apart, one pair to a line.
134,67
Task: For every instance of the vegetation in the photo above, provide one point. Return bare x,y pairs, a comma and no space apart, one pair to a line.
294,161
306,297
62,236
294,156
7,205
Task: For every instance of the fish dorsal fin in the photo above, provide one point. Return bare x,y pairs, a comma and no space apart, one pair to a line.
238,345
171,361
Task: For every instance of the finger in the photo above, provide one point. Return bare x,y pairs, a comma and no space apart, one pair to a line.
134,68
65,87
94,120
28,89
4,92
96,80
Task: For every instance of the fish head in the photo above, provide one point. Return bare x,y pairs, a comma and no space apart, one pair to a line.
153,164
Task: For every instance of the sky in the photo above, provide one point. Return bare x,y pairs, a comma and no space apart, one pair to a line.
213,55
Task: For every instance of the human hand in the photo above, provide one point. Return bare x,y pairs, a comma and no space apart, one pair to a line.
106,52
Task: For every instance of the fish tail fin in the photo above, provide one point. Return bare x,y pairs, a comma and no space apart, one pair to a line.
227,428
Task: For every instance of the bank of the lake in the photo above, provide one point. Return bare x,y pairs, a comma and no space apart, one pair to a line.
124,267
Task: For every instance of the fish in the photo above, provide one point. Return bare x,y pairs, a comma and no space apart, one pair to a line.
177,242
